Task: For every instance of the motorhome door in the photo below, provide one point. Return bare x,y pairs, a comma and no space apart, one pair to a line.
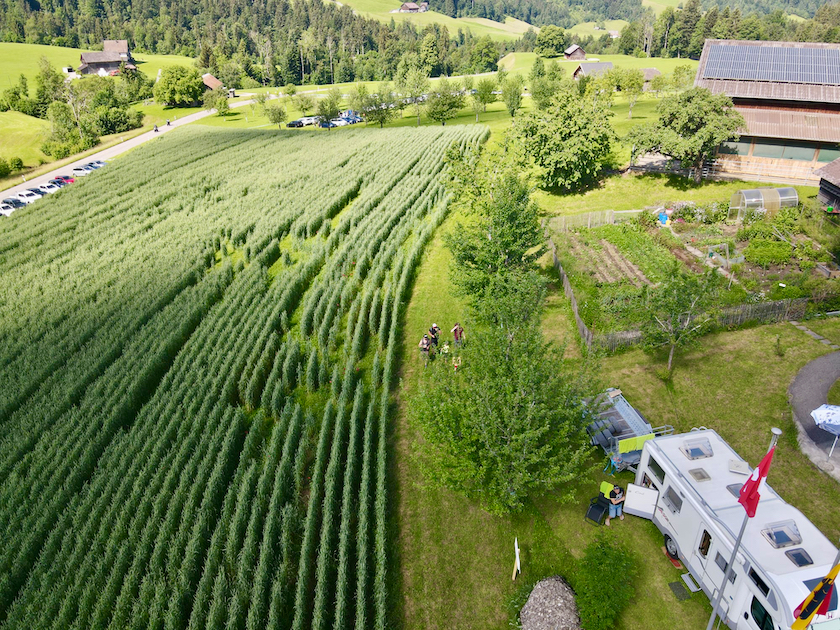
708,561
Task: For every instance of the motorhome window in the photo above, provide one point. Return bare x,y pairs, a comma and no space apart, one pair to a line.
722,565
672,500
782,534
759,582
735,489
799,557
699,474
705,543
656,469
700,448
762,618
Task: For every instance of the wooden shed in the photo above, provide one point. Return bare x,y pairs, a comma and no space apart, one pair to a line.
574,52
830,184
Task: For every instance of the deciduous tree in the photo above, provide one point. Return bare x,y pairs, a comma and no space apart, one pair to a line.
677,312
691,125
568,144
444,101
512,93
551,41
275,113
179,86
329,107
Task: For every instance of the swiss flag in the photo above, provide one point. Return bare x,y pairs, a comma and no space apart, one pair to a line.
751,490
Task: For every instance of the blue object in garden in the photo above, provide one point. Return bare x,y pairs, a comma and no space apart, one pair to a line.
663,218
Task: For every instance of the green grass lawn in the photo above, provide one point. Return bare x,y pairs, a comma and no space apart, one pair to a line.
588,28
17,59
455,559
22,137
521,62
633,191
827,327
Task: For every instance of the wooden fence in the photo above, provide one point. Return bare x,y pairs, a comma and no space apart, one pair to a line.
591,219
761,312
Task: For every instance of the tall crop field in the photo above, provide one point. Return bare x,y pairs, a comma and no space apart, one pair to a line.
196,349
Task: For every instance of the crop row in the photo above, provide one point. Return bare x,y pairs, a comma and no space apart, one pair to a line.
175,458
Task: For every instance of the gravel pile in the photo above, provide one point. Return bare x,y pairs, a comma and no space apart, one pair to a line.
551,606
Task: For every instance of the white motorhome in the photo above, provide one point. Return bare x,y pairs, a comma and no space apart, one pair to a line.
782,556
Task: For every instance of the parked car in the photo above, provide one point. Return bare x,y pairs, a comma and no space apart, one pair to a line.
93,165
49,188
309,120
27,196
38,192
97,163
81,171
326,124
340,122
295,123
65,178
6,209
14,202
58,182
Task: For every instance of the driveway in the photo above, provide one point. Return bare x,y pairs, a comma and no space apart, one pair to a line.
808,391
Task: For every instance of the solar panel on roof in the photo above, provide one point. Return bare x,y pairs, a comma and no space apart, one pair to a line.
820,66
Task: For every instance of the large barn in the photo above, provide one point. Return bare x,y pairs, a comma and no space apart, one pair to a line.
789,96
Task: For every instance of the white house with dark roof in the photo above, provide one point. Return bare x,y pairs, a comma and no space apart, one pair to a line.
789,96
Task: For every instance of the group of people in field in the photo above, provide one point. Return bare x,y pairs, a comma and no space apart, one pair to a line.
430,341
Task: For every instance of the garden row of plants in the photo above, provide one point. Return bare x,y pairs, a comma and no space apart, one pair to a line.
203,442
780,251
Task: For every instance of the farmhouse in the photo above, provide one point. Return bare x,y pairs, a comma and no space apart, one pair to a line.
118,46
789,96
574,52
409,7
592,69
102,63
830,184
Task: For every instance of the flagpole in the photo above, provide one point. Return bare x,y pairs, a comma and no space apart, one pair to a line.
729,570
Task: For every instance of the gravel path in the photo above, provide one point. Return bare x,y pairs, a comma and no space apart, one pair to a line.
808,391
551,606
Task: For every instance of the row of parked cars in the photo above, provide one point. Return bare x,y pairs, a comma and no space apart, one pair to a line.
31,195
347,118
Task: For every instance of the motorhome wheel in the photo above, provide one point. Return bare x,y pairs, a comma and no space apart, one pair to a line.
671,547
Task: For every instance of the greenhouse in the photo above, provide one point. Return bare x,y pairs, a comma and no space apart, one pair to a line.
767,199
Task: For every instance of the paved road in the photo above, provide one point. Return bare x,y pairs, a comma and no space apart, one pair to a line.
808,391
117,149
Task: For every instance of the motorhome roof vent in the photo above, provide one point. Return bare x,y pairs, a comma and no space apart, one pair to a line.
735,489
782,534
699,474
799,557
697,449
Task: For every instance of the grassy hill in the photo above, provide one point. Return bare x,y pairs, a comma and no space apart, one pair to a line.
381,10
23,58
22,136
588,28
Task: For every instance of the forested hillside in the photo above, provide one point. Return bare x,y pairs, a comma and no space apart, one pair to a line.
274,42
564,13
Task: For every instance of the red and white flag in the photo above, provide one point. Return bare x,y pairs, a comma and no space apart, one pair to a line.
751,490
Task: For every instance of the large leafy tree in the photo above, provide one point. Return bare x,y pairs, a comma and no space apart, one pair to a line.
512,93
691,125
678,311
444,101
551,41
568,144
179,86
510,423
329,107
413,85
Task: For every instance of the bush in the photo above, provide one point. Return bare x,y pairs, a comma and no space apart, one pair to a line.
16,164
604,581
4,168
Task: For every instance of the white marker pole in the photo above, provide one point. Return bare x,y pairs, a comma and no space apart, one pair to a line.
517,569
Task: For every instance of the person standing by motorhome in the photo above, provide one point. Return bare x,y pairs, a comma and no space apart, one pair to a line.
616,499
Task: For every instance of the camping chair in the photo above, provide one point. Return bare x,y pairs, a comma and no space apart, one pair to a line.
600,505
